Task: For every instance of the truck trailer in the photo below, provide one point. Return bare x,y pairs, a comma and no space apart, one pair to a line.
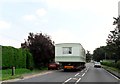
70,56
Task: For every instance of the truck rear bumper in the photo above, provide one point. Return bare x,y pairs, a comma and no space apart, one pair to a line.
68,67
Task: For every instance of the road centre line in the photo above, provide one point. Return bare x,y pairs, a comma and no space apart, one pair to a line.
87,69
67,80
77,74
83,74
77,80
82,71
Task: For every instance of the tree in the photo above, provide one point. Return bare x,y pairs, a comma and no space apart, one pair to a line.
113,40
99,53
41,47
88,56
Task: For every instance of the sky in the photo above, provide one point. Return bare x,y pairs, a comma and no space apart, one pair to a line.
87,22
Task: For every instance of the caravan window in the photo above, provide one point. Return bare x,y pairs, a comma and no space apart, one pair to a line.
67,50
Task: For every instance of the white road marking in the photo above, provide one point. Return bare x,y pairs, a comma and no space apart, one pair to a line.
83,74
86,71
77,74
67,80
82,71
115,76
112,75
77,80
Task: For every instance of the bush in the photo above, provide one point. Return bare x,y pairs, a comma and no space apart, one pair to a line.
112,64
118,64
19,58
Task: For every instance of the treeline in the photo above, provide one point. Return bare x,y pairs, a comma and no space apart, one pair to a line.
19,58
112,50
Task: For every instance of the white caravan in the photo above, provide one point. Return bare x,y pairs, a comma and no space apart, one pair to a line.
70,55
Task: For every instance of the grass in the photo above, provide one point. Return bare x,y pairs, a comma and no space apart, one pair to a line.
111,68
110,65
7,74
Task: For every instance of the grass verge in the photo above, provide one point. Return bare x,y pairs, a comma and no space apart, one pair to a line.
19,73
111,68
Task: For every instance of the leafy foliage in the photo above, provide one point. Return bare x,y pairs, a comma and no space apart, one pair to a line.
99,53
112,64
112,49
15,57
41,47
118,64
88,56
113,40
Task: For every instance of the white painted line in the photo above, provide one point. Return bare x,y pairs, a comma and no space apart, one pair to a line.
68,80
112,75
83,74
77,74
115,76
87,68
86,71
77,80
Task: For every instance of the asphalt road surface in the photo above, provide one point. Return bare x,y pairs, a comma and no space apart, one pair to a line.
89,74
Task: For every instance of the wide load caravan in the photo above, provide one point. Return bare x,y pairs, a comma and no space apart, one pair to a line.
70,56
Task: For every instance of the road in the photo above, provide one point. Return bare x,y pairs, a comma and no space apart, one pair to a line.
89,74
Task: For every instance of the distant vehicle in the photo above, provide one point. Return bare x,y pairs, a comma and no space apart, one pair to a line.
54,66
97,65
70,56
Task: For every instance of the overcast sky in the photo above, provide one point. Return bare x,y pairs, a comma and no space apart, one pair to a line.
78,21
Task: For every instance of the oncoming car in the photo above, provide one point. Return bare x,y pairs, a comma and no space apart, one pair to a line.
97,65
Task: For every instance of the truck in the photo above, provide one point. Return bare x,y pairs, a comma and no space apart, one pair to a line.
70,56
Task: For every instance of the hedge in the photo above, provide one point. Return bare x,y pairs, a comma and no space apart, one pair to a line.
20,58
112,64
118,64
